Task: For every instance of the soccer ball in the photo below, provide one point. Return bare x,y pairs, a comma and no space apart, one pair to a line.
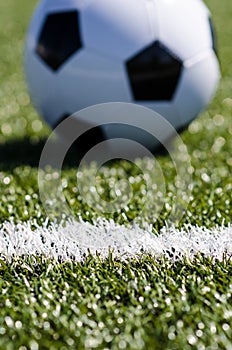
157,53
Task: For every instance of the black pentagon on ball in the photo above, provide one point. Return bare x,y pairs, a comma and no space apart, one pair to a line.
154,73
59,38
213,36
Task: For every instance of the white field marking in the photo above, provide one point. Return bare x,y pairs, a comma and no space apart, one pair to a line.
73,240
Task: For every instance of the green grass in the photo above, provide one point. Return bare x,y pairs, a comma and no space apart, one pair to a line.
144,304
111,305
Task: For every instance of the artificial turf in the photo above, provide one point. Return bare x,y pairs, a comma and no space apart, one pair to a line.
141,304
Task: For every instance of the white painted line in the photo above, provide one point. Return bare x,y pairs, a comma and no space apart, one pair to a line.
73,240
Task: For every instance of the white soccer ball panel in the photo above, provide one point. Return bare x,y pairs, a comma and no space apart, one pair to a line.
167,110
184,27
42,84
117,28
197,87
89,79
